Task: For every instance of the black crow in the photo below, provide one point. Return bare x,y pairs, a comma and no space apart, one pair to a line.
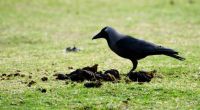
132,48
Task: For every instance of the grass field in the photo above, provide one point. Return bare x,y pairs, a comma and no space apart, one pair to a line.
33,35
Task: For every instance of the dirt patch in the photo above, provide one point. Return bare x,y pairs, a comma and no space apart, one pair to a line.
112,75
22,75
24,82
18,70
61,76
9,75
92,68
80,75
43,90
91,73
3,74
70,68
72,49
2,78
95,84
31,83
16,74
141,76
44,78
30,77
12,75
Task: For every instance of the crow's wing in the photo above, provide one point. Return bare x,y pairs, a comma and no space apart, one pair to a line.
137,48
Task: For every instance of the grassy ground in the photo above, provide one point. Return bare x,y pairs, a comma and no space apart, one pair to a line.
33,35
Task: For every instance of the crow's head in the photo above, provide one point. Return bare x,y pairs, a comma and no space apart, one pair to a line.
110,34
102,34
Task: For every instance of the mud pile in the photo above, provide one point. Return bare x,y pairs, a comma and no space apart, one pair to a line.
96,77
141,76
90,74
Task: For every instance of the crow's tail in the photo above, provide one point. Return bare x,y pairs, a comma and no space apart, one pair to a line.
170,52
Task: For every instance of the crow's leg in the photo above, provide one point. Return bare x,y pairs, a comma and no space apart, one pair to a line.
134,62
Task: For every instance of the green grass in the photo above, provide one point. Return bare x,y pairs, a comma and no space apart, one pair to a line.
33,35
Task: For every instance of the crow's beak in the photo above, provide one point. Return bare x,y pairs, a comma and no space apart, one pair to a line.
97,36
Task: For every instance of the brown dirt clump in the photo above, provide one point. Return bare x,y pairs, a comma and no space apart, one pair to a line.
92,68
2,78
9,75
44,78
29,76
22,75
61,76
31,83
3,74
16,74
93,84
70,67
18,70
113,72
141,76
80,75
90,73
43,90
